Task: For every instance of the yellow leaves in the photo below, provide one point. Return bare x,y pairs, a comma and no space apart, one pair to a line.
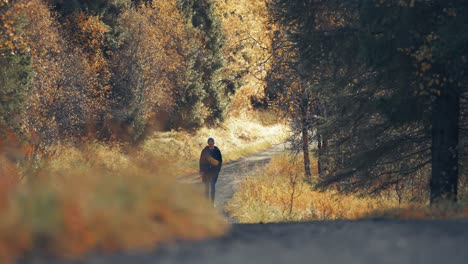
248,44
10,39
158,40
92,30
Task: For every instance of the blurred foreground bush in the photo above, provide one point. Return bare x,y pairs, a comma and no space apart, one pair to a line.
97,198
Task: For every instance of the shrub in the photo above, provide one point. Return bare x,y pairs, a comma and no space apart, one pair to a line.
280,194
96,197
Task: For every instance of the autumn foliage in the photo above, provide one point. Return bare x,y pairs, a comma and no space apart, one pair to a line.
248,49
97,198
112,69
77,79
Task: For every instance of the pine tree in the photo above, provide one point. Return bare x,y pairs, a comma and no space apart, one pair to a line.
15,71
207,64
391,78
15,87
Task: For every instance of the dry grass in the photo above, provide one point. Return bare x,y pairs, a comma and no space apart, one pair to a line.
98,198
274,196
236,138
421,211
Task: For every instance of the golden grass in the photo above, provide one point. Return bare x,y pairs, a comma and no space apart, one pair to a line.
236,138
422,211
268,197
98,198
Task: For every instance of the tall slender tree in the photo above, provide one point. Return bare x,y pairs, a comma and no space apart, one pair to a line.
289,91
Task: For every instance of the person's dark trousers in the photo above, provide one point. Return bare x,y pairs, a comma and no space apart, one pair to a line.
210,188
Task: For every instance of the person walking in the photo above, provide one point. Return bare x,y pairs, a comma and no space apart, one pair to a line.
211,161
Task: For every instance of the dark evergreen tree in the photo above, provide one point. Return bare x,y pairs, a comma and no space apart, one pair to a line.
391,77
207,64
15,84
16,75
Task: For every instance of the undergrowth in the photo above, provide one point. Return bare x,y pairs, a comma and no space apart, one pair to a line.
279,193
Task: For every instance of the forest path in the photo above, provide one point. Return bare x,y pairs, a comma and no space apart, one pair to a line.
334,242
233,172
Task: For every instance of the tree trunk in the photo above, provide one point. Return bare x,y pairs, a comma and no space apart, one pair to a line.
321,159
322,144
305,150
319,152
305,106
445,118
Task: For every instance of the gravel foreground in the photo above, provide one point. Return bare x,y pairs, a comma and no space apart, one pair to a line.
369,241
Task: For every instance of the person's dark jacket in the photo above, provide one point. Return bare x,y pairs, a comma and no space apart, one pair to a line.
206,168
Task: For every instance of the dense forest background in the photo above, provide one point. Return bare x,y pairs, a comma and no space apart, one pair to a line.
377,87
92,68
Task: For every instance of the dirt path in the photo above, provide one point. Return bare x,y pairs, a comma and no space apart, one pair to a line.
233,172
333,242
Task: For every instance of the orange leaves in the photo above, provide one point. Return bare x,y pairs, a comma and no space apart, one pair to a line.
13,150
68,88
13,239
11,38
9,177
88,35
77,237
80,64
40,33
92,29
97,198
